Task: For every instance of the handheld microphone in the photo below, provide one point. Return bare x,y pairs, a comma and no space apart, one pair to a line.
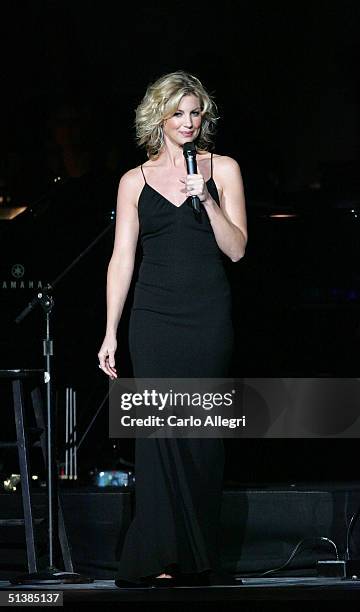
189,151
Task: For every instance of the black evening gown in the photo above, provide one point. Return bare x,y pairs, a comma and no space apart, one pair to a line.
180,327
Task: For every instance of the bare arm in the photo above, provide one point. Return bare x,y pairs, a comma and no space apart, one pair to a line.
121,266
229,220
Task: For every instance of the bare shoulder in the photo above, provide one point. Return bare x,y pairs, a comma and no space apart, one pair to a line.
226,171
132,179
226,164
130,186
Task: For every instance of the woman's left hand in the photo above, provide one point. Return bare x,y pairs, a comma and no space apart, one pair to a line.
195,186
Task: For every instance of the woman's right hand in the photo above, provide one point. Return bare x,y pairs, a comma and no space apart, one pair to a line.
106,356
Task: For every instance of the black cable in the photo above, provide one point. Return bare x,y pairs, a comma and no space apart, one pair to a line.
348,533
322,538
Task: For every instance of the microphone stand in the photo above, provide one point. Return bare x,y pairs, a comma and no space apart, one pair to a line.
45,299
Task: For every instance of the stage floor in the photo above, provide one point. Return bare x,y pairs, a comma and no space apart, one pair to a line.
247,589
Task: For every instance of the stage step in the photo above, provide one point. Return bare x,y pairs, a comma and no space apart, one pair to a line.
260,526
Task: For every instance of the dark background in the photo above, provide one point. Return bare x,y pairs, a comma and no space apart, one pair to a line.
286,80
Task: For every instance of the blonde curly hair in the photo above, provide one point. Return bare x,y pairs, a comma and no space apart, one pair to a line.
161,101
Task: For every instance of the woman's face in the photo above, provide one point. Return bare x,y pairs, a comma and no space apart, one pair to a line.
184,125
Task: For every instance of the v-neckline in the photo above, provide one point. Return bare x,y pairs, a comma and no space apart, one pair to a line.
168,201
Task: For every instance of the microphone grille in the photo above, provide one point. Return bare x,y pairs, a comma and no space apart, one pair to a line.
189,147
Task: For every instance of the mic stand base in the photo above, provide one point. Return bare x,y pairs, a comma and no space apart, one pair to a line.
51,575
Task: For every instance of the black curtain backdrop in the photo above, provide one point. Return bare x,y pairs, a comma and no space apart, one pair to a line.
285,77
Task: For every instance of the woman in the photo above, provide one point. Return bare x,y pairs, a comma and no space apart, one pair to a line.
180,323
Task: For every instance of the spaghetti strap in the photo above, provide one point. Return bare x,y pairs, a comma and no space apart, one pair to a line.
143,173
211,161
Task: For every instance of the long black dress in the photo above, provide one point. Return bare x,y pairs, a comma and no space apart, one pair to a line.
180,327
